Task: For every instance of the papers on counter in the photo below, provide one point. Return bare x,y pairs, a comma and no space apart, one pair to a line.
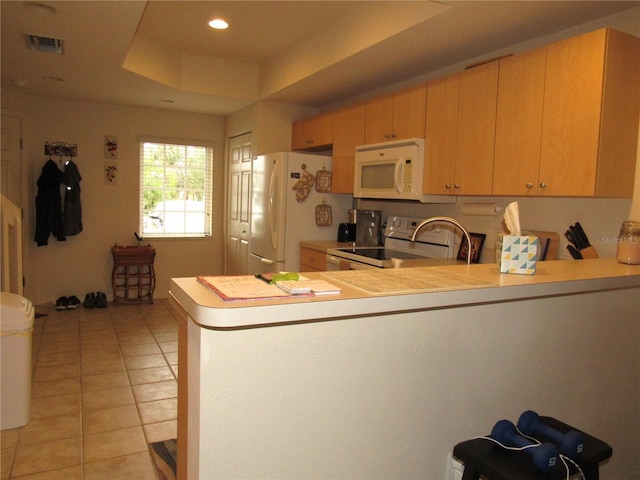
250,287
316,286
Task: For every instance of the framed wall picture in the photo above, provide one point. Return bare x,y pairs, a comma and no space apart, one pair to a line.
111,173
110,147
477,240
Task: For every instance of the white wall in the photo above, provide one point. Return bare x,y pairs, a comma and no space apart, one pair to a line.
270,123
83,263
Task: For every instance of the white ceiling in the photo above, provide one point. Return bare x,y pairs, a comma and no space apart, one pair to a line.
312,53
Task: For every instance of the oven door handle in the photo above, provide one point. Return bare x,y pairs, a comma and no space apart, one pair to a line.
333,262
336,263
361,266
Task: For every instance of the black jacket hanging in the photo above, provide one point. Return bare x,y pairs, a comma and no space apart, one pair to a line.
72,214
49,204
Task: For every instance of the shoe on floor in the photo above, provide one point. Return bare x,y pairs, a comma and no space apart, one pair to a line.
101,300
73,302
61,303
90,300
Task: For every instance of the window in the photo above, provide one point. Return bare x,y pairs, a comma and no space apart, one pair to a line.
176,189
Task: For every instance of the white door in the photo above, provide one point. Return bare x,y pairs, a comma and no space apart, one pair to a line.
11,186
239,201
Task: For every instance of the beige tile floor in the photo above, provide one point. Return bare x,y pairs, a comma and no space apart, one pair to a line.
104,387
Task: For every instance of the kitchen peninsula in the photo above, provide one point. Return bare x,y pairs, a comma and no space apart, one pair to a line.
383,385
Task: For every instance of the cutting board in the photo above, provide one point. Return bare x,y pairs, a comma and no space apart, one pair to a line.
548,240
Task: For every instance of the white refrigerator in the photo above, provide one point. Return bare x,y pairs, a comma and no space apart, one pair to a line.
286,208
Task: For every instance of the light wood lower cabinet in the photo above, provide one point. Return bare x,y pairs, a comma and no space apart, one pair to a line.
312,260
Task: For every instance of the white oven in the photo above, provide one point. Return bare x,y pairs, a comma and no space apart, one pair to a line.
436,240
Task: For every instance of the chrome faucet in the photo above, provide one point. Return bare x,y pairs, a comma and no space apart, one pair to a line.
449,220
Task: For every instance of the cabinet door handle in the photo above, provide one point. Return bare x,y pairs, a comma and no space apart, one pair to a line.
456,185
447,186
529,185
543,185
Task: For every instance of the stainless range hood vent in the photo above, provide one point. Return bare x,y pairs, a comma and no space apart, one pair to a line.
45,44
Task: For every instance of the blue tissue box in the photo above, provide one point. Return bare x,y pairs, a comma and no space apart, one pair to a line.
517,253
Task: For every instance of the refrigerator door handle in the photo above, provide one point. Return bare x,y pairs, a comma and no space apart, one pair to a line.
274,185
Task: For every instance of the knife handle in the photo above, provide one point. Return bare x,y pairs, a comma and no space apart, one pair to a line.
574,252
583,236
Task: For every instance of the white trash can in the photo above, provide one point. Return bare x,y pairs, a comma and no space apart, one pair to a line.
16,327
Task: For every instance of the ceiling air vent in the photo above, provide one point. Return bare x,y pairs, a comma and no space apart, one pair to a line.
45,44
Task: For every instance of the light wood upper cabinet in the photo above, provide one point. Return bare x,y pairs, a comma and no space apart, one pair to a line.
560,120
460,132
516,162
440,135
396,116
315,133
348,134
477,101
590,115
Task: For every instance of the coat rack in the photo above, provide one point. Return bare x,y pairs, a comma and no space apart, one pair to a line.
60,149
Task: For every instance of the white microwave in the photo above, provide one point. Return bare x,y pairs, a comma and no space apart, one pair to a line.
390,170
393,170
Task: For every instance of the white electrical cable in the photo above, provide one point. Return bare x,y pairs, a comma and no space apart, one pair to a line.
506,447
564,459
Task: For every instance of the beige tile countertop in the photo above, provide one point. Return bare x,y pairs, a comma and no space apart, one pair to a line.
420,288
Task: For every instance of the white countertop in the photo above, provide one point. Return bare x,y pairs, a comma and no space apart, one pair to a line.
562,277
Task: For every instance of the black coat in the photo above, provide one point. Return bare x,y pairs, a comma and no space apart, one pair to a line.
72,207
49,204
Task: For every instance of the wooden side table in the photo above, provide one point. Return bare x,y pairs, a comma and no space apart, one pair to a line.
133,277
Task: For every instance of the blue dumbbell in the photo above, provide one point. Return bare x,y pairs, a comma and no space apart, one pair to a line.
545,455
570,443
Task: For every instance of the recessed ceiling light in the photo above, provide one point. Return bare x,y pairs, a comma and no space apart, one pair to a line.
40,8
218,24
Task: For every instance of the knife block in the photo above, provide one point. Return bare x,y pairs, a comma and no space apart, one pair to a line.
589,252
